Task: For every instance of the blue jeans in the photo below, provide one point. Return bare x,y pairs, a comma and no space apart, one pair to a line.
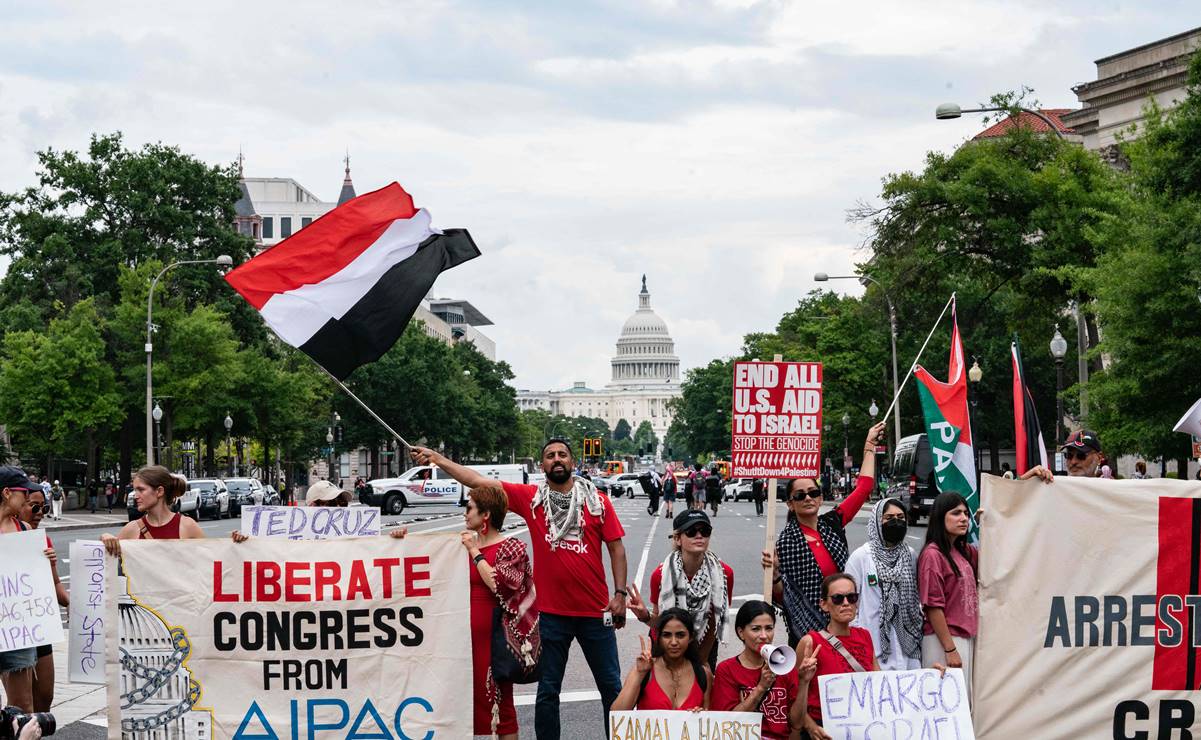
599,644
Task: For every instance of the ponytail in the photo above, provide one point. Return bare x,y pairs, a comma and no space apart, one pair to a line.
157,476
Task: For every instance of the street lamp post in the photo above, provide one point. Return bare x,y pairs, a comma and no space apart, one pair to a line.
229,425
947,111
329,438
222,261
1059,350
846,453
874,410
157,415
822,277
975,375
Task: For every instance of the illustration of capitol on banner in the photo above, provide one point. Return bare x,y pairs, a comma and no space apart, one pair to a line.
158,693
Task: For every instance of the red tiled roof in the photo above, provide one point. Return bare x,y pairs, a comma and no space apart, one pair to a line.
1027,120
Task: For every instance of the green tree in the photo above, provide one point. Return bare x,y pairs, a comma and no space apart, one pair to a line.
621,431
1148,283
675,443
702,410
645,441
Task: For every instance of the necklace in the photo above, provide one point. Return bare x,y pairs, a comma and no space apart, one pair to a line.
675,685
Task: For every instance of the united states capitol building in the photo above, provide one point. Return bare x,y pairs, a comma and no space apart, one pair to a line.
645,377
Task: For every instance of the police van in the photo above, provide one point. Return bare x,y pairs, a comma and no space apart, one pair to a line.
428,485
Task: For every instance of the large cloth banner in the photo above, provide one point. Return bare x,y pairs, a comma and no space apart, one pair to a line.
1090,617
28,602
276,638
85,636
310,522
895,704
668,725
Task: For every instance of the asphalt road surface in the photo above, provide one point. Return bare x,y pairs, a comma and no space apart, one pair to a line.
738,538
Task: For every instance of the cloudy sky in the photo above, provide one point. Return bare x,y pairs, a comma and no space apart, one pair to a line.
713,145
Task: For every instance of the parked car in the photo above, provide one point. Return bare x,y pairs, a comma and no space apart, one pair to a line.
213,497
271,496
428,484
624,484
244,492
913,477
187,504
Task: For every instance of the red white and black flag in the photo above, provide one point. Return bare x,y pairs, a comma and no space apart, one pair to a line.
343,289
1028,436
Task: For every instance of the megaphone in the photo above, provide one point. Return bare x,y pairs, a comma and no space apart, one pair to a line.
781,659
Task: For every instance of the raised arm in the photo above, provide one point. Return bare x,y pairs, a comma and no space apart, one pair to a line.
867,477
464,475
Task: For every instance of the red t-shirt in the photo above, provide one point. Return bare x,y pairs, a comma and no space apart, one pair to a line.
956,595
829,662
847,509
734,681
569,575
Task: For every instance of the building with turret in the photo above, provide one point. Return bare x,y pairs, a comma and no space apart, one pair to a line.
644,378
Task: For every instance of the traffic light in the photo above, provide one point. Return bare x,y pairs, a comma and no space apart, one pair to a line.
598,447
338,435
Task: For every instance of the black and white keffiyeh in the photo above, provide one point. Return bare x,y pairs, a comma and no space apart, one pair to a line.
900,606
802,575
565,511
701,596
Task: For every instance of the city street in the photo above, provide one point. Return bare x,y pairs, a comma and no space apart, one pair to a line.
737,539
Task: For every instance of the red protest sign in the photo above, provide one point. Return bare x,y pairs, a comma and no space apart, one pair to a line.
777,420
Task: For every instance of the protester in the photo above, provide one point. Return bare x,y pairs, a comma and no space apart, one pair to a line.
43,672
646,480
17,666
947,574
1081,453
885,568
56,501
500,576
568,520
154,490
698,478
757,489
669,493
811,547
669,673
110,492
837,648
713,489
93,488
321,493
360,489
1140,470
745,683
693,579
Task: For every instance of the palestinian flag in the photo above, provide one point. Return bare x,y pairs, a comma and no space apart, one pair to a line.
342,289
948,425
1028,436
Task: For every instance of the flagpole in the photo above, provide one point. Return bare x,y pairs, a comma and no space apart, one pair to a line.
912,367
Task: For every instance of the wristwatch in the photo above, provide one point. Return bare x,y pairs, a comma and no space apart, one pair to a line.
478,558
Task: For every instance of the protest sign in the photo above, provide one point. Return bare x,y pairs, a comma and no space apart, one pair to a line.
28,603
777,420
668,725
310,522
1089,614
85,633
895,704
278,638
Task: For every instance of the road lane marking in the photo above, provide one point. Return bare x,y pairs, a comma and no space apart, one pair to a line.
646,551
525,700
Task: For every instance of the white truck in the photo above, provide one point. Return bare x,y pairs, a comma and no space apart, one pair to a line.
430,485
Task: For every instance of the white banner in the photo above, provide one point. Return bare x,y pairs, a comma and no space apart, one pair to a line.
1090,620
310,522
28,603
678,725
272,638
895,704
85,635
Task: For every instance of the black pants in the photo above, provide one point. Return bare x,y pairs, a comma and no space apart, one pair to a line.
654,505
758,505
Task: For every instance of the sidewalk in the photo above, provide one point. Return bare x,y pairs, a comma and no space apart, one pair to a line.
74,701
83,519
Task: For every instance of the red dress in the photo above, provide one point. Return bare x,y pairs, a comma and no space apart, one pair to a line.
858,644
483,601
654,697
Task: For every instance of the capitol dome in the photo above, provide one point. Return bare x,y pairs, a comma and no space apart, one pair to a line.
645,350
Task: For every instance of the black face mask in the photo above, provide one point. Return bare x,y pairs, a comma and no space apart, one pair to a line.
893,532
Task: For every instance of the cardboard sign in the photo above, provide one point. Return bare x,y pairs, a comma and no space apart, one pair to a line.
1088,609
28,603
777,420
311,522
275,638
85,635
895,704
668,725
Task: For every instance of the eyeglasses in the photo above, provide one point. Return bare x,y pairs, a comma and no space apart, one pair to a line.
848,598
1070,454
802,495
700,529
37,508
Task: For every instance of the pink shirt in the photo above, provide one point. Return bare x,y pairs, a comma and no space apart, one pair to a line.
956,595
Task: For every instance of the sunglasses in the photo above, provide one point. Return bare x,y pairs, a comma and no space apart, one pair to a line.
849,598
802,495
1075,455
37,508
700,529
